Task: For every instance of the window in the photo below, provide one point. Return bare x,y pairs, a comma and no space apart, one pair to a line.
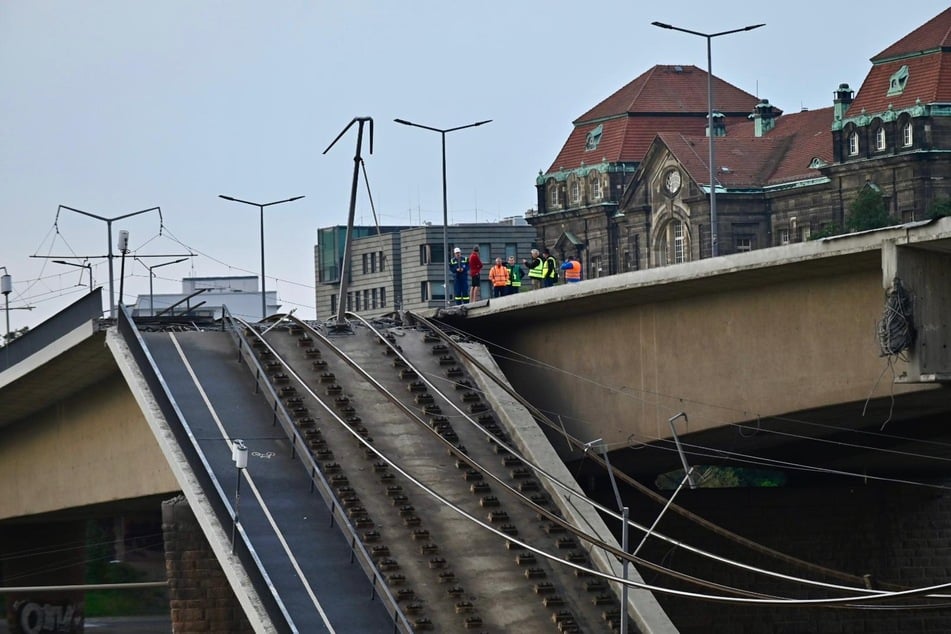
784,236
593,138
382,297
430,253
907,134
511,249
382,260
678,236
596,188
424,291
596,267
576,191
365,267
853,144
804,233
375,298
349,301
356,301
333,304
880,139
373,262
366,300
554,194
743,244
896,83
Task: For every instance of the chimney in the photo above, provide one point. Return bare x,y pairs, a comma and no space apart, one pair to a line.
764,118
842,101
719,124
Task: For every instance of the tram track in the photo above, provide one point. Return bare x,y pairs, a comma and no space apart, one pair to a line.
538,579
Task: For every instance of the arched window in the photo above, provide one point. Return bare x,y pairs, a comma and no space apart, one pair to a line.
554,193
907,134
880,139
576,190
596,188
853,144
671,244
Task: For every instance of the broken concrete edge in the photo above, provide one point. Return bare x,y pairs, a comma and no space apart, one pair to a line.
535,446
218,537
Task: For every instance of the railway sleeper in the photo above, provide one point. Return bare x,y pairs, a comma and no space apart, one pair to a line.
440,348
480,487
456,591
545,587
454,372
447,576
447,359
371,536
526,559
471,397
328,377
472,622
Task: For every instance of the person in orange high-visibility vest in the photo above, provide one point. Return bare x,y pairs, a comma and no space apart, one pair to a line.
572,269
499,277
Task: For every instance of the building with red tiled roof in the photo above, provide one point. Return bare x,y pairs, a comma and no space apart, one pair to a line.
630,188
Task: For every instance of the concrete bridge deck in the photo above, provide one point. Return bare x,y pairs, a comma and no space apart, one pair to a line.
766,353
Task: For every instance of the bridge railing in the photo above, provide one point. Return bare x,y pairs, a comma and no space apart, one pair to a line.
215,492
359,552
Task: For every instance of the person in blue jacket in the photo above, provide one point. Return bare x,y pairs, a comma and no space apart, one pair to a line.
459,265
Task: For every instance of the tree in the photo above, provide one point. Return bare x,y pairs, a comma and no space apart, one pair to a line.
940,207
868,211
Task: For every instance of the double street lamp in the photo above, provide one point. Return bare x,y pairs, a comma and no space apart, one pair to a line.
714,246
445,203
261,207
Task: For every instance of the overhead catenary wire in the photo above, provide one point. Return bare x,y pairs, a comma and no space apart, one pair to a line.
544,419
827,602
681,400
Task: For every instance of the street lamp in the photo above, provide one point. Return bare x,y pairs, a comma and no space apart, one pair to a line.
6,287
152,277
87,265
445,204
714,246
261,208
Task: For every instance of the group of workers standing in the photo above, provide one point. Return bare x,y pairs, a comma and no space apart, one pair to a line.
506,276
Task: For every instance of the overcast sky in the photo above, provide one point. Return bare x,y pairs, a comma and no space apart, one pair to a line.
115,106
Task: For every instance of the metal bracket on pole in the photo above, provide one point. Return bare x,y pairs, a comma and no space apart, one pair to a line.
680,450
341,325
624,528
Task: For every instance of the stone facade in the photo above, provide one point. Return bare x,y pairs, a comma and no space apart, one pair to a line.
778,179
201,599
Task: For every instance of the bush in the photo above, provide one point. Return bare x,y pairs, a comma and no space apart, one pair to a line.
868,211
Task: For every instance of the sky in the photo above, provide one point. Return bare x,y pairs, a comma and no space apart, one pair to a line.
112,107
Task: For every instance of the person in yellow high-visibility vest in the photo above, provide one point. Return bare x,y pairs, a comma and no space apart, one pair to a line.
536,269
549,269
